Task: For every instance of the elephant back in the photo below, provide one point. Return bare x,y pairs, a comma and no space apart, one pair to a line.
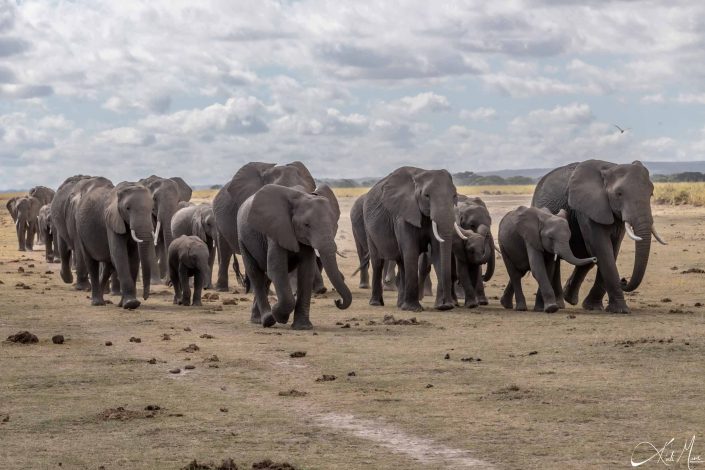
552,189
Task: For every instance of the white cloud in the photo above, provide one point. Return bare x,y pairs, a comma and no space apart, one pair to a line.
479,114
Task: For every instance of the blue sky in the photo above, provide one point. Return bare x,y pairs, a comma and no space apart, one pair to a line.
126,89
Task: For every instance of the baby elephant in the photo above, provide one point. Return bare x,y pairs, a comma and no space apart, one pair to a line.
188,256
533,239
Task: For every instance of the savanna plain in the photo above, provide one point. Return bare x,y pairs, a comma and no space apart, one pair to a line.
479,388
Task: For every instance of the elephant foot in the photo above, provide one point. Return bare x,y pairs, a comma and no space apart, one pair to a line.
209,286
131,304
521,307
551,308
377,302
21,249
66,276
506,302
482,300
321,290
302,325
538,307
97,302
56,260
197,303
389,288
221,288
589,304
364,285
83,285
570,295
618,307
444,306
560,303
470,303
268,320
412,307
115,292
156,281
185,302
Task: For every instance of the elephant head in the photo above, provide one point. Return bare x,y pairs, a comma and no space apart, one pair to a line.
129,211
475,247
44,194
185,190
203,223
610,194
291,217
252,176
472,214
165,196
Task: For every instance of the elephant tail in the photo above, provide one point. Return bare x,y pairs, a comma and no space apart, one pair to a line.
363,265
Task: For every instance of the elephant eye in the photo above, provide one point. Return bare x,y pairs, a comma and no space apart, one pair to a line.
619,193
427,195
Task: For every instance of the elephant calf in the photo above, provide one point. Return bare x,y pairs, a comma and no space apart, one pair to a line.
188,256
46,234
198,220
532,239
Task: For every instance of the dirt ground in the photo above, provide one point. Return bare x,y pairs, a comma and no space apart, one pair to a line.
466,388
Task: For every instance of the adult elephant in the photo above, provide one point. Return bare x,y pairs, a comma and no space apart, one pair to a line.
198,220
166,195
404,213
185,191
12,207
46,233
27,211
44,194
64,223
114,226
246,182
604,201
278,230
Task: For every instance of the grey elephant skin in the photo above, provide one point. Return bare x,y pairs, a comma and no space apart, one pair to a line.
278,230
46,233
44,194
12,208
114,226
532,239
198,220
246,182
63,218
603,201
188,257
405,213
167,193
26,210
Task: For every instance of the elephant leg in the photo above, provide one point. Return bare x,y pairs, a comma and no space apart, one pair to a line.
121,260
390,276
106,274
260,287
318,286
507,300
424,273
175,281
163,268
556,283
377,264
65,257
410,268
114,283
199,279
185,289
305,270
278,272
402,283
571,290
82,282
19,229
224,254
463,272
550,270
48,249
537,262
29,243
96,286
476,273
211,262
514,287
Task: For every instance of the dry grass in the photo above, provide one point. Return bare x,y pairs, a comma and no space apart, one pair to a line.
677,194
597,385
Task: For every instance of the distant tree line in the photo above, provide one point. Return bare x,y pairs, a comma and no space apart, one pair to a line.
686,177
469,178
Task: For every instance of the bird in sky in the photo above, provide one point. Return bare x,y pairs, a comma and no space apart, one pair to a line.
621,131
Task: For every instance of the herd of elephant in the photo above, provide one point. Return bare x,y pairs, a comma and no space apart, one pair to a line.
284,226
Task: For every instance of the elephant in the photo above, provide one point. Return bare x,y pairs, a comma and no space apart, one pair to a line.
469,255
64,225
44,194
603,201
46,233
533,239
278,230
188,256
247,181
199,221
27,211
185,191
12,207
166,194
404,213
114,226
358,228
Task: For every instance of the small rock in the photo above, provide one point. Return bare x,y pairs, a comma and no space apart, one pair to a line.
230,302
532,353
347,325
175,370
223,409
152,361
108,343
134,339
570,316
213,358
666,300
187,329
191,348
20,269
352,374
429,385
152,408
447,356
298,354
189,367
166,337
24,337
292,393
57,339
206,336
326,378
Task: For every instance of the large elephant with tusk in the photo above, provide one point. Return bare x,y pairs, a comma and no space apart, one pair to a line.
604,201
404,213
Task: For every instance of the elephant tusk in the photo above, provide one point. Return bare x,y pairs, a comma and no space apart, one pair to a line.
134,236
340,254
434,225
496,248
657,237
630,232
459,232
555,257
156,231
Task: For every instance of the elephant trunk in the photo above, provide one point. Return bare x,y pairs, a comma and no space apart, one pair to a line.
142,231
489,270
164,219
330,265
641,255
563,250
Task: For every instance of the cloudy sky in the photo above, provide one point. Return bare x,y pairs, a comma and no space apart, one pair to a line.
129,88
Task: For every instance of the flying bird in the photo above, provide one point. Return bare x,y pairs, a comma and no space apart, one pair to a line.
621,131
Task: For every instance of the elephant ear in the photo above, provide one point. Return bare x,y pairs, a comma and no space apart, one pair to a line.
309,182
247,181
197,227
35,203
325,191
113,218
185,190
587,193
399,196
529,226
271,214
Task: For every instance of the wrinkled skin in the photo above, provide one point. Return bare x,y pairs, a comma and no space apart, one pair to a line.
399,212
27,210
166,195
278,230
114,226
530,239
246,182
46,233
599,197
188,256
63,219
44,194
199,221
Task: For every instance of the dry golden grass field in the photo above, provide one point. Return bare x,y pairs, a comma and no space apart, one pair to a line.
573,389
